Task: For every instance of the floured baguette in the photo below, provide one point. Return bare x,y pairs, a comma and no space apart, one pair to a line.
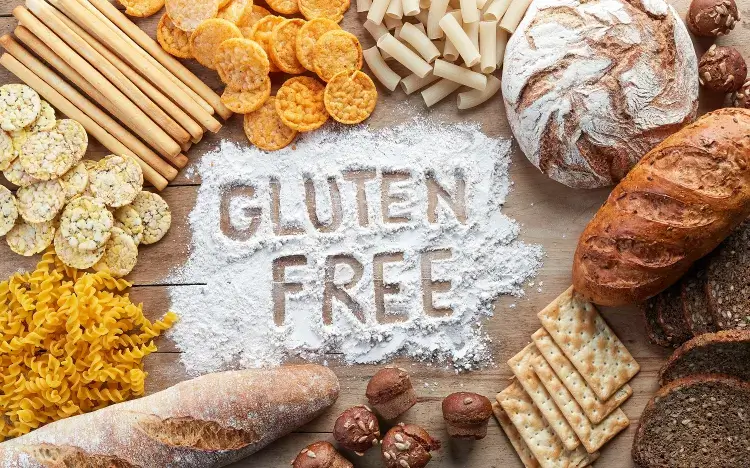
210,421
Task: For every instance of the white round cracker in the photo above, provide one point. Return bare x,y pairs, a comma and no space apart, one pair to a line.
50,154
17,176
28,239
8,210
46,119
40,202
73,257
75,181
120,254
155,214
19,106
86,223
127,219
116,180
7,155
188,14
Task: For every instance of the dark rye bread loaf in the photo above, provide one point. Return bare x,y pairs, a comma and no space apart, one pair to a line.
655,332
696,422
728,287
725,352
671,315
695,301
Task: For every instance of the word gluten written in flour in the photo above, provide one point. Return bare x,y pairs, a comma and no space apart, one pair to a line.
360,243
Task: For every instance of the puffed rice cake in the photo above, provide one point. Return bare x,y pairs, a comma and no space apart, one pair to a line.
265,129
75,181
141,8
188,14
19,106
128,219
86,224
120,254
331,9
233,10
284,46
243,102
8,210
73,257
299,103
48,155
173,39
286,7
28,239
336,51
261,33
17,176
308,35
40,202
207,37
242,63
7,154
155,214
116,180
251,15
46,119
350,97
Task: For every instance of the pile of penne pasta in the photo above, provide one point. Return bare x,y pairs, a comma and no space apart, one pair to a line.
445,44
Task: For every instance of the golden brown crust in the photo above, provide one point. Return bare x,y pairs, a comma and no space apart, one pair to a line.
676,205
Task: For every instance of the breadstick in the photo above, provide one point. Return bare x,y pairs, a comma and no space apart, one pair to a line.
145,127
513,16
46,13
195,130
58,101
127,138
152,52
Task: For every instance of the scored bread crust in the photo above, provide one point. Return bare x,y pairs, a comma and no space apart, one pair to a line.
676,205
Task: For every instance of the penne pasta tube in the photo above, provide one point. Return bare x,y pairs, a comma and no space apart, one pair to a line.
377,11
513,16
481,4
472,30
439,91
421,43
421,28
473,98
414,83
422,16
410,7
496,10
502,42
397,32
460,40
392,23
375,30
395,10
380,69
460,75
436,13
488,46
469,11
450,53
404,55
363,5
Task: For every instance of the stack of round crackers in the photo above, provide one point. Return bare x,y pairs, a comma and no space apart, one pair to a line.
95,213
244,43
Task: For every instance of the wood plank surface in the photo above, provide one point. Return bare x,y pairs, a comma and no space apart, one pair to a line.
551,215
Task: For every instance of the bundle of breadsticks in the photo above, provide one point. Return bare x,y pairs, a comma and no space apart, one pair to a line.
445,44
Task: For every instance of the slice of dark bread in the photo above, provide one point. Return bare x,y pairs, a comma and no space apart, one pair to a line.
728,285
654,331
725,352
696,422
671,315
695,302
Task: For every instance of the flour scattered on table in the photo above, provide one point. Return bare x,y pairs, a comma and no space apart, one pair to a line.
371,244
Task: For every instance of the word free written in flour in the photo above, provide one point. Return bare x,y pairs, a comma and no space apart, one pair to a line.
367,244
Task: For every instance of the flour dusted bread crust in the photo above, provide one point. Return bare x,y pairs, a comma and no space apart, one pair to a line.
591,86
676,205
210,421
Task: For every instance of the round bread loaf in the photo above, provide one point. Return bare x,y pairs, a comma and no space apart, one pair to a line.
591,86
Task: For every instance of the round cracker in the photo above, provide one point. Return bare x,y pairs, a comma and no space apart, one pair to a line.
299,103
120,254
18,138
86,223
69,255
40,202
28,239
75,181
308,35
128,219
46,119
262,31
8,210
242,64
116,180
188,14
331,9
155,214
283,50
285,7
335,52
350,97
250,15
242,102
7,154
19,106
48,155
265,129
172,39
206,39
232,10
141,8
17,176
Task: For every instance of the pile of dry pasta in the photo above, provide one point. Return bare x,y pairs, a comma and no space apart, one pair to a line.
72,342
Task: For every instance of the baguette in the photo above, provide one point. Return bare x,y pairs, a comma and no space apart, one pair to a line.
210,421
676,205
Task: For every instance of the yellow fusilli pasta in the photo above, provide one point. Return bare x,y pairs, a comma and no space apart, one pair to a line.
70,342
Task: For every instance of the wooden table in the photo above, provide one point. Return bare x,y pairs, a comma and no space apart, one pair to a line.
551,215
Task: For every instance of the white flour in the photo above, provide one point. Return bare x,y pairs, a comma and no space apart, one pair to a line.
229,321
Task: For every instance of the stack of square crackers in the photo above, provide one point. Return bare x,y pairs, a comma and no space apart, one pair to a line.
564,403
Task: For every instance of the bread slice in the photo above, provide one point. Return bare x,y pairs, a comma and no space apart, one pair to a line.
725,352
695,301
728,286
671,315
699,421
654,331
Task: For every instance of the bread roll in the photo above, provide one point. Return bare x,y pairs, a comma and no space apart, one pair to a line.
676,205
210,421
590,86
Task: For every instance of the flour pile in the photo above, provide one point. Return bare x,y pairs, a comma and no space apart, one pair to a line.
405,242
